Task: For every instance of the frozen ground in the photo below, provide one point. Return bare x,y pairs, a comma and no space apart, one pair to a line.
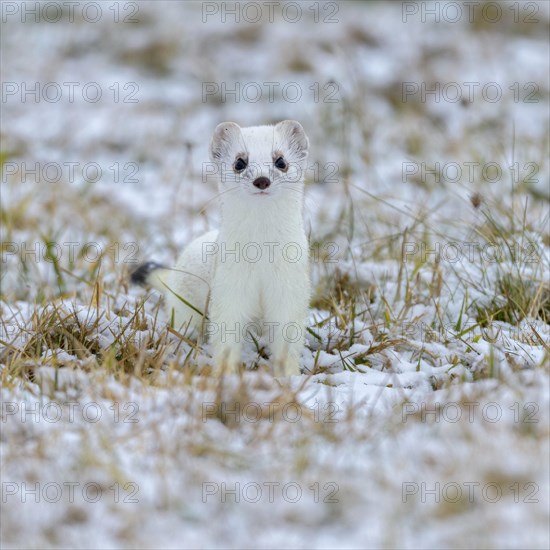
422,417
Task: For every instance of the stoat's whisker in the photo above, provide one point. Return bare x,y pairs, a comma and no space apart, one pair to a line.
201,211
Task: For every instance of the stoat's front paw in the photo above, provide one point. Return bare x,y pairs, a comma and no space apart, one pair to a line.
225,361
286,367
222,369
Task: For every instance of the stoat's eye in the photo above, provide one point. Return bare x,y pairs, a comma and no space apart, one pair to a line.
281,164
240,164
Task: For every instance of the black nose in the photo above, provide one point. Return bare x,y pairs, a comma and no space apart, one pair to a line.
262,183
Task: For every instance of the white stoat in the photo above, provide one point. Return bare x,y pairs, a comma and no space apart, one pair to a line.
252,275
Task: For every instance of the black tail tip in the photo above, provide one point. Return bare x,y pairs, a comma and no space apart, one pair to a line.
141,273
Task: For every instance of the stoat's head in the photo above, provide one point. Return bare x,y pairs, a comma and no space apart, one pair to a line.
260,160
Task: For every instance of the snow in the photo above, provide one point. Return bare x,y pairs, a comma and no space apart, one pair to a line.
410,405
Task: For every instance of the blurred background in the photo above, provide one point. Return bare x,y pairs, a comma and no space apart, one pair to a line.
428,125
111,108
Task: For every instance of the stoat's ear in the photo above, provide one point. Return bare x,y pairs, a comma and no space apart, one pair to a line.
225,134
294,135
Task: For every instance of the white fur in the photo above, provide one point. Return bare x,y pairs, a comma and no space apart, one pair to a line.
268,283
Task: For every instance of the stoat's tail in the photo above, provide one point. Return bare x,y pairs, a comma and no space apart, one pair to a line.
150,274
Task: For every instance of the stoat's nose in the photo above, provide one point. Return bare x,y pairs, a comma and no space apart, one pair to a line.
262,183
